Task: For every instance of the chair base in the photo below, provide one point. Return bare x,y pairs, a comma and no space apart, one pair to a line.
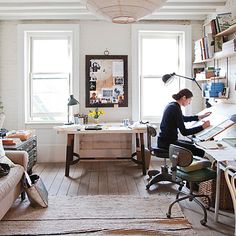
164,175
192,197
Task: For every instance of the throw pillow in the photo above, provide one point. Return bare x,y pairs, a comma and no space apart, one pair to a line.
6,160
3,158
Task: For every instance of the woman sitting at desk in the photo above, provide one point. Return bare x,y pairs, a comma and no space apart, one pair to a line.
173,119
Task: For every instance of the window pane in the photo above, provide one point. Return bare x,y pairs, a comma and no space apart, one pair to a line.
155,96
49,102
50,55
159,56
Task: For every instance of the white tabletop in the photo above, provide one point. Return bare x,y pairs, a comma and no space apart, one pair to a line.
227,153
106,129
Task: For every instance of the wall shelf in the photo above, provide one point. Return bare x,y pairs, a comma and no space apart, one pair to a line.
212,78
228,52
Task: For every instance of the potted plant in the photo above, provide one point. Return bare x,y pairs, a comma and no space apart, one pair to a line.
2,114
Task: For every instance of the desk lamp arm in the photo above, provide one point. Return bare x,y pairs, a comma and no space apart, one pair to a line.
192,79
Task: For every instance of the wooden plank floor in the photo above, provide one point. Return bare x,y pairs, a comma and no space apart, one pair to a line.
114,177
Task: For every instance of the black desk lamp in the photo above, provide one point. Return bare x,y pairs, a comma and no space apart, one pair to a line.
167,78
71,102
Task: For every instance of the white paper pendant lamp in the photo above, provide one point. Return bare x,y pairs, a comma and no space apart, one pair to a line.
124,11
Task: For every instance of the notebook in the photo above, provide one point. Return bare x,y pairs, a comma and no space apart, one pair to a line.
93,127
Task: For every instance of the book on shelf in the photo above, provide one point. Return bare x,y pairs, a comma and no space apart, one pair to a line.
213,27
224,20
218,42
209,45
203,48
197,71
197,51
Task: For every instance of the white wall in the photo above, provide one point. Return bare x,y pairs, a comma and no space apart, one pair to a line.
95,38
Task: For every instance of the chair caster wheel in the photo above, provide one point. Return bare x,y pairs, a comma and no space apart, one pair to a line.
203,222
180,188
168,215
147,186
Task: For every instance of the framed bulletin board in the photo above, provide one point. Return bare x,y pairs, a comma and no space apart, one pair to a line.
106,80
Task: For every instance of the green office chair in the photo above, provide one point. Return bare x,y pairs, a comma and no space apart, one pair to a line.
193,171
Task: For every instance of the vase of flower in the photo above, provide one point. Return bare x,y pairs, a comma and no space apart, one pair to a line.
96,120
95,114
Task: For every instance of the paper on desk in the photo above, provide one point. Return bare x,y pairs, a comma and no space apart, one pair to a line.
231,163
208,145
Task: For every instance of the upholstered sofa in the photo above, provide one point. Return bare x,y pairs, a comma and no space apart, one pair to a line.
11,184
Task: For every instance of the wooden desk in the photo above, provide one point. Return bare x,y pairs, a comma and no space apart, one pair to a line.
72,130
220,155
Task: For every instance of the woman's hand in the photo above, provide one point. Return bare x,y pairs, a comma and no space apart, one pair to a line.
206,124
200,117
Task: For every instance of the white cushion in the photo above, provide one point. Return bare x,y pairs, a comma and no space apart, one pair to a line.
2,152
6,160
3,158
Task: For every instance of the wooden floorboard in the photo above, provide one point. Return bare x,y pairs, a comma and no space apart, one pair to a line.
123,177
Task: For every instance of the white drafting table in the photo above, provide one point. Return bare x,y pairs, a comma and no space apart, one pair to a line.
228,153
72,130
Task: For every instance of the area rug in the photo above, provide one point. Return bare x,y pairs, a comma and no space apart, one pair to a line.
97,215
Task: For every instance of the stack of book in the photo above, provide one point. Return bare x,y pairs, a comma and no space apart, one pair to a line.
204,48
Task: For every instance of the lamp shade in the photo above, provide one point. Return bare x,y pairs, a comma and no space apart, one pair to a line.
124,11
167,78
72,101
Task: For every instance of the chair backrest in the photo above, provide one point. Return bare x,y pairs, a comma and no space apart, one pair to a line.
230,176
180,156
151,133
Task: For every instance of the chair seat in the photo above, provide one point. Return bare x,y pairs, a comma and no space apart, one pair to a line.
198,175
197,164
160,152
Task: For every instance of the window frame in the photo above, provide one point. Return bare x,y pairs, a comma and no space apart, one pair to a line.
24,30
156,35
136,61
31,37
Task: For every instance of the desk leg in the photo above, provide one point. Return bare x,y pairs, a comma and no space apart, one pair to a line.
140,152
217,201
143,153
69,153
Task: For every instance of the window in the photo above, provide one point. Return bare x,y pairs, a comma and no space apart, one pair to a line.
48,77
159,54
157,50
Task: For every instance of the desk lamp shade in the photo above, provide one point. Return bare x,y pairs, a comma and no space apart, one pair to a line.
168,78
124,11
71,102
